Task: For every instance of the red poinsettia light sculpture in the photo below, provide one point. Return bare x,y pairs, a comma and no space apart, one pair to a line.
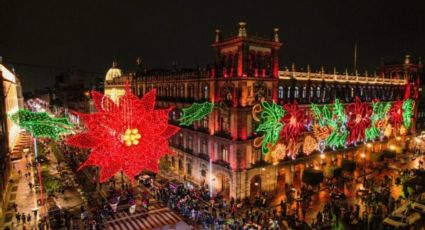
358,120
294,122
396,114
130,136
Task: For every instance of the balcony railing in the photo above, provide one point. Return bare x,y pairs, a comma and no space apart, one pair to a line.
288,74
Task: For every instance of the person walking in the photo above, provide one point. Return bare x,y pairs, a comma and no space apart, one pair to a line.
29,218
24,219
18,217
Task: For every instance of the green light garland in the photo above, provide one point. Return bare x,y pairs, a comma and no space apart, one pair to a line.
335,120
408,106
339,131
195,112
40,124
380,111
270,124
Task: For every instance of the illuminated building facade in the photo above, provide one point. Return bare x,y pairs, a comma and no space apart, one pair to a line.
218,150
11,95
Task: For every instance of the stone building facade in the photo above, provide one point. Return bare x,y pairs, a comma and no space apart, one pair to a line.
218,150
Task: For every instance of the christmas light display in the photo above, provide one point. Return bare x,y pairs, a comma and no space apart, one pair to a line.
309,145
331,127
279,151
396,114
40,124
408,106
270,125
195,112
130,136
293,121
358,120
378,119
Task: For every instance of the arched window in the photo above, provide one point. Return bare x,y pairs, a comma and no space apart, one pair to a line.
181,91
304,92
296,92
206,92
191,91
256,155
204,145
224,153
190,142
280,92
289,92
205,122
318,92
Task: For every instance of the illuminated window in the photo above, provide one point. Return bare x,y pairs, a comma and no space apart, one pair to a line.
256,155
224,153
289,92
204,146
206,92
318,92
280,92
304,93
296,92
205,122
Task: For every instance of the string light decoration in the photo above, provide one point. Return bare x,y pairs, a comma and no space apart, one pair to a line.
408,106
195,112
270,125
294,122
309,145
130,136
331,128
40,124
396,114
378,119
358,120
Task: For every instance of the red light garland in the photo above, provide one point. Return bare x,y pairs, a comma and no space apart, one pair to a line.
131,136
358,120
294,121
396,114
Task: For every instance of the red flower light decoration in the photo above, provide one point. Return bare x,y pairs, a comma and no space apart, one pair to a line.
396,114
293,122
131,136
358,120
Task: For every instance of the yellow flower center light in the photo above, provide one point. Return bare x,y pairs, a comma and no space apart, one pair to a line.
131,137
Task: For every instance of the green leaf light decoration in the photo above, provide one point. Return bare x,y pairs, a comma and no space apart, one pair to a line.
195,112
337,123
408,106
40,124
335,120
270,124
380,111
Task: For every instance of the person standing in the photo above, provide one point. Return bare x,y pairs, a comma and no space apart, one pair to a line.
29,218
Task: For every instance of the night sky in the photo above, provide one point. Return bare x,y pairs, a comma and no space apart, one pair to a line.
51,36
